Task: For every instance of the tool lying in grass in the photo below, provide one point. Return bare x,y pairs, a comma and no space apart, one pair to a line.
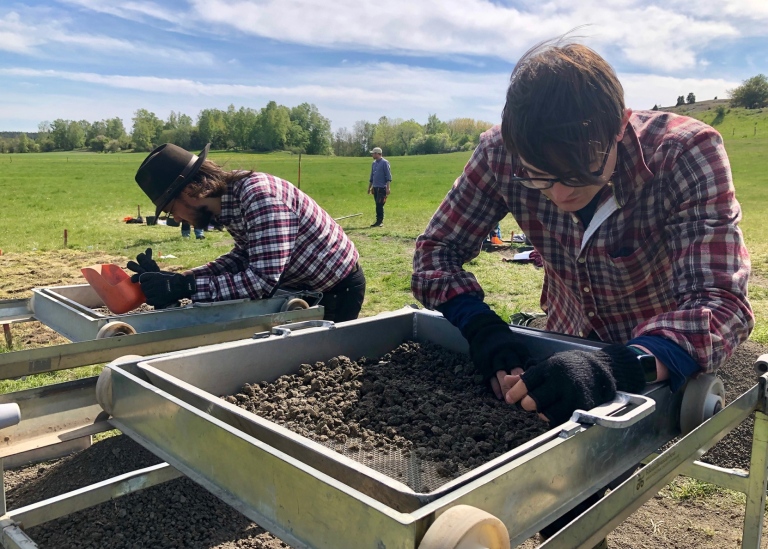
346,216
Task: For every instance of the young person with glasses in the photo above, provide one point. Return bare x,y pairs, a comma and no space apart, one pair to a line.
635,217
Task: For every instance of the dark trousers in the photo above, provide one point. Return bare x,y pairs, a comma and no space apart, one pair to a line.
380,196
344,301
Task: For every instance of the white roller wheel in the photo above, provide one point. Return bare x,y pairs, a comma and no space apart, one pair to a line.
704,396
761,364
115,329
294,305
466,527
104,382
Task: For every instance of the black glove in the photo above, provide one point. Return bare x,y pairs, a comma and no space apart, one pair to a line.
164,289
582,379
492,345
145,265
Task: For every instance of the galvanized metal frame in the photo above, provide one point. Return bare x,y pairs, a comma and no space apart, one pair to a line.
71,311
316,510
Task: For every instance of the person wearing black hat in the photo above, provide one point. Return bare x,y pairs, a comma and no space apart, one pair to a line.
282,237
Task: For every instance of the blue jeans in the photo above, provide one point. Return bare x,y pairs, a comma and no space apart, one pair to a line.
185,230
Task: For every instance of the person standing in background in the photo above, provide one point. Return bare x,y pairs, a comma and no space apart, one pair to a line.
378,184
185,231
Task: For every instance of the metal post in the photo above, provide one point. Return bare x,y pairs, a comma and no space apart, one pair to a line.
753,513
2,485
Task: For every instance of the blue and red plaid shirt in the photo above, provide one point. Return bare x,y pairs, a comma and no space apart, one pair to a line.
280,234
662,256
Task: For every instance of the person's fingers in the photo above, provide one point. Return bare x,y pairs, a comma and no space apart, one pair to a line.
508,382
135,267
135,278
542,417
517,392
559,412
528,404
148,253
496,388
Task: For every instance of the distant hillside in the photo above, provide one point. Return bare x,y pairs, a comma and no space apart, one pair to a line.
14,135
737,123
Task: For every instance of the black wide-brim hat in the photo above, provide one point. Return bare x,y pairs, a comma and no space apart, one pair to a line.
166,171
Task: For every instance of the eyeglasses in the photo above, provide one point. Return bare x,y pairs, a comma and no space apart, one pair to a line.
544,183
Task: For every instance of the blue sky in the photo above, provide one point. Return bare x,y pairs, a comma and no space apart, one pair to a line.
354,59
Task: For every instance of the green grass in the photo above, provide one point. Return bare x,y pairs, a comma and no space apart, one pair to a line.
89,194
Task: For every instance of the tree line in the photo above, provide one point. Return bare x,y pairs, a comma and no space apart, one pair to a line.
272,128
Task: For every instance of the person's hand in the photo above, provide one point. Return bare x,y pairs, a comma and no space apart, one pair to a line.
387,191
572,380
493,348
165,289
369,190
503,382
143,264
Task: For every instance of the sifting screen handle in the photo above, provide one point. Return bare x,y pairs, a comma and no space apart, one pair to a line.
643,407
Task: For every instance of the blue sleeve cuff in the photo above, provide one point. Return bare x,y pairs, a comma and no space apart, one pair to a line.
680,364
462,308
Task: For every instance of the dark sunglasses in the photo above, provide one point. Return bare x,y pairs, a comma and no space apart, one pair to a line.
544,183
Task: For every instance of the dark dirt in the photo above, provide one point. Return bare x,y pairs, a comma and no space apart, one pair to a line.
418,398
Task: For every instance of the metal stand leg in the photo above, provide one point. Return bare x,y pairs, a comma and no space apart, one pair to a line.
2,485
758,480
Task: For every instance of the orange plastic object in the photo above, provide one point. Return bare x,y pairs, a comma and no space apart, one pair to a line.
114,287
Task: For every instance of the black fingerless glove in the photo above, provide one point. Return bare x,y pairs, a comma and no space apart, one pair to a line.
143,264
165,289
573,380
492,345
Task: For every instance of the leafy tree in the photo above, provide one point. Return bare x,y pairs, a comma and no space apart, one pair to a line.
691,99
272,127
212,128
655,107
434,125
115,128
752,94
680,100
98,143
76,134
23,144
241,127
59,134
177,130
363,133
318,128
298,138
384,136
94,130
344,143
406,132
147,128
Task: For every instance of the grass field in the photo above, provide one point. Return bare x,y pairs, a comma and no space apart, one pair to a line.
89,195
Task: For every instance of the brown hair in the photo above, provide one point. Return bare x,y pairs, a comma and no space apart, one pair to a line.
564,106
212,180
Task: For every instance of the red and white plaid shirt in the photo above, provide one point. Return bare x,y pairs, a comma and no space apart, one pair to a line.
662,256
280,234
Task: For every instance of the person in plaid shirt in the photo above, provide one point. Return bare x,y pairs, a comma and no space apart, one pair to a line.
635,217
282,237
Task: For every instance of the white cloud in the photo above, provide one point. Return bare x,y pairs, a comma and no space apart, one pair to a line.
135,11
643,91
646,35
50,38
